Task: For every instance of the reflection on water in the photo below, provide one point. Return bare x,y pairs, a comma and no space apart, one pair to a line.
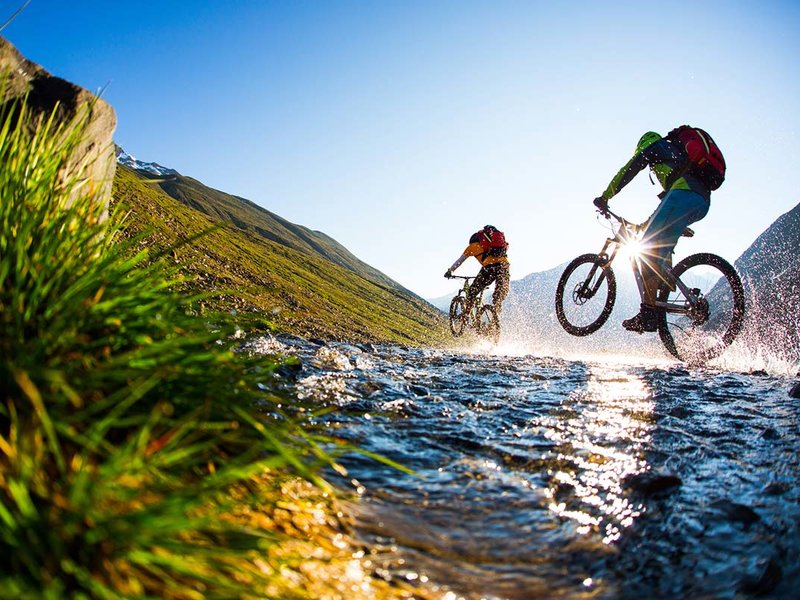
544,477
603,441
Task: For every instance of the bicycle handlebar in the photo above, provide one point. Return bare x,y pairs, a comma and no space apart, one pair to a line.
608,213
461,277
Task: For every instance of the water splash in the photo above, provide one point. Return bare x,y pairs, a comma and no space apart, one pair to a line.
531,470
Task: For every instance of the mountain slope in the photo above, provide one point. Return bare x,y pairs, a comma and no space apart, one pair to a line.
770,270
249,217
269,268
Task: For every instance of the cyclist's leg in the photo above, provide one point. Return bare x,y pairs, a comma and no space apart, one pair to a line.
481,282
678,210
501,286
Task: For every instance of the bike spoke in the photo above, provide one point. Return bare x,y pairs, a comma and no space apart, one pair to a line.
585,295
457,321
709,322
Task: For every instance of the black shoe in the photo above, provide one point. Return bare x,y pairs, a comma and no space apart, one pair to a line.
645,321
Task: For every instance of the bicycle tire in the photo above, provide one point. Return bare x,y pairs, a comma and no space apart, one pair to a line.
574,299
457,316
489,323
723,310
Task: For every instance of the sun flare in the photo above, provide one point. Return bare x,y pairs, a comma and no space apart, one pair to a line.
633,248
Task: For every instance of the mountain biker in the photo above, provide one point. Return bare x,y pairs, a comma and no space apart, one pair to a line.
685,200
490,248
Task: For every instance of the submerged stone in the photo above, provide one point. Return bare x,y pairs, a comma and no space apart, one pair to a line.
734,511
764,583
776,488
652,483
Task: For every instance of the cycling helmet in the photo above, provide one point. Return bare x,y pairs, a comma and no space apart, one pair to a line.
489,228
648,138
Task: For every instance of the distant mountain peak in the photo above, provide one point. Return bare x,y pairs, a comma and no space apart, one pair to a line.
150,168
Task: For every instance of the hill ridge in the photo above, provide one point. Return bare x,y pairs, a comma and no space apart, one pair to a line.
283,274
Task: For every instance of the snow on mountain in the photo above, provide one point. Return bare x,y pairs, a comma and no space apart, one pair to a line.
152,168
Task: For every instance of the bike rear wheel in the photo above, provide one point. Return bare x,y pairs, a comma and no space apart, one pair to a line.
489,323
457,317
585,295
704,332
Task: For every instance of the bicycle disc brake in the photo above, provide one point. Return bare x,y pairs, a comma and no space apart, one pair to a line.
582,294
699,311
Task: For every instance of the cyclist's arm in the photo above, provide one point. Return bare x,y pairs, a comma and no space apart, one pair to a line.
473,249
657,153
625,175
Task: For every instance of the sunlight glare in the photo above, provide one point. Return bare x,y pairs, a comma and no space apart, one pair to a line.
633,248
606,441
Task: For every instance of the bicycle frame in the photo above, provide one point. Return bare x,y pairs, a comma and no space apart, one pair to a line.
627,234
473,319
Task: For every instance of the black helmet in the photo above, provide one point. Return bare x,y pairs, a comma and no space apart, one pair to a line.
489,228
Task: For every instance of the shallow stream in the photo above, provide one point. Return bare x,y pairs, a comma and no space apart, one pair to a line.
543,477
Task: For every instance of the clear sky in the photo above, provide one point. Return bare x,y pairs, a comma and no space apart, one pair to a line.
401,127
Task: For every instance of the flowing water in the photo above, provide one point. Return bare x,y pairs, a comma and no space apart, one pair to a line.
581,477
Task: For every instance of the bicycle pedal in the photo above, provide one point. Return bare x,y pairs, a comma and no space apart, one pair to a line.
696,292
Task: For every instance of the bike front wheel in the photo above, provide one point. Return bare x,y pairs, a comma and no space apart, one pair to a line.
702,332
457,316
489,323
585,295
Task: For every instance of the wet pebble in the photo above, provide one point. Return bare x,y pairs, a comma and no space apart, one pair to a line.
795,391
770,434
563,491
776,488
652,483
679,412
764,583
734,511
418,390
289,370
368,387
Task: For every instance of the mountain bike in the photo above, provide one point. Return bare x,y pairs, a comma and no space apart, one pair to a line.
700,307
482,318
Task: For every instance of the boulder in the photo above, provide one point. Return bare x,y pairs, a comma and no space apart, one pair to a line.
94,157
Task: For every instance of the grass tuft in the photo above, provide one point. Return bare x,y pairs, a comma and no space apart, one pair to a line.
140,456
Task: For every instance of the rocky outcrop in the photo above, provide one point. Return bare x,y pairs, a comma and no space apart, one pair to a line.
94,157
770,270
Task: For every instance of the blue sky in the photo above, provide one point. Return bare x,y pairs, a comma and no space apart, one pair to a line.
399,128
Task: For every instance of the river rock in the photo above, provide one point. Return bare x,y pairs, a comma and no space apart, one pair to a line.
93,158
770,433
795,391
651,483
735,511
765,582
776,488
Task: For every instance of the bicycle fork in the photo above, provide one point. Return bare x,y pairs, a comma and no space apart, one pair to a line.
589,287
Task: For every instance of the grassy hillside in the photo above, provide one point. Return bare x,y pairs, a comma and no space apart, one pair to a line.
249,217
285,276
